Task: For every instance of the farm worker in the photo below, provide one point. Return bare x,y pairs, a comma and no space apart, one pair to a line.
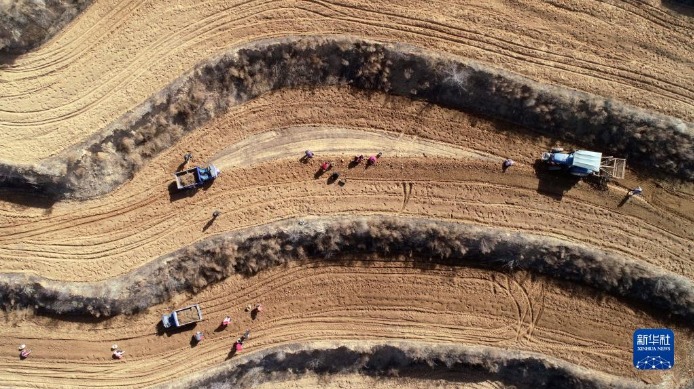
238,346
23,352
308,154
226,321
379,154
118,354
246,334
188,156
199,336
259,308
216,213
507,164
636,191
372,160
326,165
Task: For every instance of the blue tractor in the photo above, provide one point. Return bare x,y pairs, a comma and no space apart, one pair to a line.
579,163
195,177
583,163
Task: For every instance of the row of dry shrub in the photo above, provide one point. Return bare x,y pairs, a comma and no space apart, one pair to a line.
422,242
110,158
404,359
26,24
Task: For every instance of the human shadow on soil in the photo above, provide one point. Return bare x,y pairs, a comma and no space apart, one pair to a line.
231,353
625,200
318,174
333,177
553,184
193,342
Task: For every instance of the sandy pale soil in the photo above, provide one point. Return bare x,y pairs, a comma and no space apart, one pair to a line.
318,301
274,145
108,236
437,163
118,53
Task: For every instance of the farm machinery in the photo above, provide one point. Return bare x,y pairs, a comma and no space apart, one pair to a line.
181,317
195,177
583,163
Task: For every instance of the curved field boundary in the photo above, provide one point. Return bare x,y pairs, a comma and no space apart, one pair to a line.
421,241
518,368
108,159
24,24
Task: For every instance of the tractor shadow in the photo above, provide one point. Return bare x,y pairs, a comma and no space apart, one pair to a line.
161,331
553,184
176,194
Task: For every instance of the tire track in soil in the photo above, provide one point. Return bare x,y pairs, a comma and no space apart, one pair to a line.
160,57
304,302
461,191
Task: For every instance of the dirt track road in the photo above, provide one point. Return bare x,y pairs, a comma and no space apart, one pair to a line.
118,53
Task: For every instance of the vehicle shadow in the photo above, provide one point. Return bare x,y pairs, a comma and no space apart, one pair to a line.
553,184
176,194
161,330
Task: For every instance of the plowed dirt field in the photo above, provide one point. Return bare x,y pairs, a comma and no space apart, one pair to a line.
316,301
437,163
118,53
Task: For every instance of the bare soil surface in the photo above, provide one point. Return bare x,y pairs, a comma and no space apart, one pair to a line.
329,302
437,163
117,53
105,237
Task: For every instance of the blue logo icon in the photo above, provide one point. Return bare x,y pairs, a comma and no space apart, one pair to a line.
654,349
